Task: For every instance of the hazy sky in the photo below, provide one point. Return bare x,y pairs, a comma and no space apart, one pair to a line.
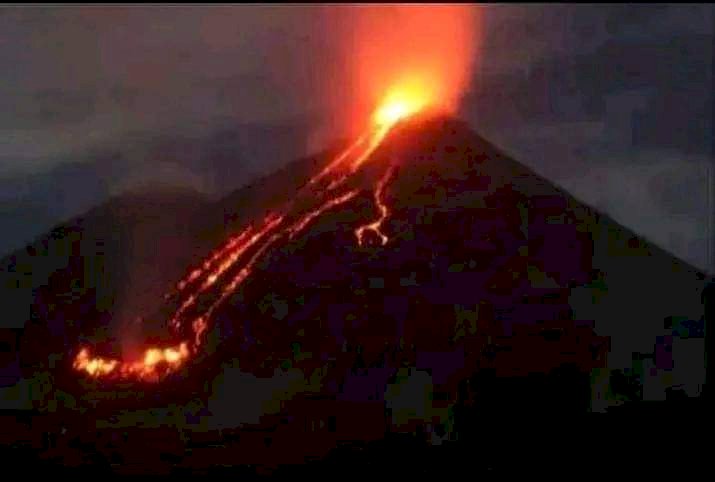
612,101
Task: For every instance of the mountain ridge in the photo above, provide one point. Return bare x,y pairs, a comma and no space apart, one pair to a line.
497,300
426,145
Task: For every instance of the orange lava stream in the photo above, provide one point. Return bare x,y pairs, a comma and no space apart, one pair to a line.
242,275
230,260
336,163
156,361
298,227
377,138
222,252
292,231
384,212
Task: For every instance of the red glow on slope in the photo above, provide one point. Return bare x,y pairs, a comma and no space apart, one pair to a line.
243,251
229,246
230,259
337,162
375,226
156,361
298,227
96,366
425,54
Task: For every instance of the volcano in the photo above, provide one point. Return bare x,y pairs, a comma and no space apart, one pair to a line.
427,287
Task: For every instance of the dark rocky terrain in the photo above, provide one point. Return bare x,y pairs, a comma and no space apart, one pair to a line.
501,307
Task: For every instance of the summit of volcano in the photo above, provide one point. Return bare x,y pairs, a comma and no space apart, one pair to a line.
420,258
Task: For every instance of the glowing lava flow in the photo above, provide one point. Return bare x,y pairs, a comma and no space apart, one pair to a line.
242,252
375,226
221,253
155,361
337,162
94,366
230,259
299,226
292,231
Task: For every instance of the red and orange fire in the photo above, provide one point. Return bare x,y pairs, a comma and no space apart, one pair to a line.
244,250
155,362
425,54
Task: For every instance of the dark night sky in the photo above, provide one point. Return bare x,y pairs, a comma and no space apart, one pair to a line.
613,102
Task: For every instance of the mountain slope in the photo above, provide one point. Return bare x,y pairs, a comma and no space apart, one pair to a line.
102,269
480,247
494,290
94,271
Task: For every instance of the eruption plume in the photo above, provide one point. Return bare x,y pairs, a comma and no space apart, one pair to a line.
422,55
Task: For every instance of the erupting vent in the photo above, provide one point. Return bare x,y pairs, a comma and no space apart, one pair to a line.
230,265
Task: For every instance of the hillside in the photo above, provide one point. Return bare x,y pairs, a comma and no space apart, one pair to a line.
496,295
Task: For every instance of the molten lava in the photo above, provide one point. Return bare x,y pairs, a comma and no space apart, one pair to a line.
218,255
222,264
155,362
375,226
401,103
207,287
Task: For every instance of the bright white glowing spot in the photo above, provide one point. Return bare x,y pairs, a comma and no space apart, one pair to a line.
401,103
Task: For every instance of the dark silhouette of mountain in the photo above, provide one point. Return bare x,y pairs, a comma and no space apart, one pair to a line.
215,162
32,204
95,268
499,299
100,270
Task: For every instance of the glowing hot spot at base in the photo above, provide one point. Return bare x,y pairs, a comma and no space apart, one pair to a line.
148,367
